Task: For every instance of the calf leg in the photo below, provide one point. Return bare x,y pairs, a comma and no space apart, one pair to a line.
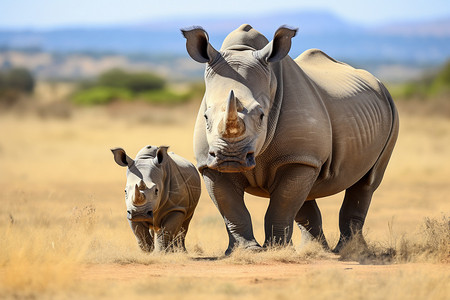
167,237
144,235
309,220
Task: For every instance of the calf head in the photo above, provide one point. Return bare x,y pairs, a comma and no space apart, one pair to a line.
145,181
240,88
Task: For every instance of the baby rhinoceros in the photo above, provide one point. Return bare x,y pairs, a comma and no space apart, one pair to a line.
161,194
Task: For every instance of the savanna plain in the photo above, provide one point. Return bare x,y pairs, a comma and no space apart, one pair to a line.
64,234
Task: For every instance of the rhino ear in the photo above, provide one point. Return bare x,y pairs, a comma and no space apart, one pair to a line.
198,46
279,47
121,157
161,154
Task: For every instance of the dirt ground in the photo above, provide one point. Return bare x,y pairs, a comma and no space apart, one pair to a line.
64,234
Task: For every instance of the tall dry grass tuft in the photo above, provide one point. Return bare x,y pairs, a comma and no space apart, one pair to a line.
36,261
431,244
288,255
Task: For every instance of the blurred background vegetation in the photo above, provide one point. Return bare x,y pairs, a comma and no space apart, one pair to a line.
119,85
433,85
54,72
19,87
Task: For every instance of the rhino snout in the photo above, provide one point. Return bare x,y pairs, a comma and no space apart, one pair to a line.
137,216
231,163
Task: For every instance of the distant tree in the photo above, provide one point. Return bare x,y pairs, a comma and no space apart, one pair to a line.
13,83
18,79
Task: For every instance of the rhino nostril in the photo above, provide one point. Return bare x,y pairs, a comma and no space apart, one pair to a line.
150,214
250,155
212,154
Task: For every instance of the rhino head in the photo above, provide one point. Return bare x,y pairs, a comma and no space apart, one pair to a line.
145,181
240,88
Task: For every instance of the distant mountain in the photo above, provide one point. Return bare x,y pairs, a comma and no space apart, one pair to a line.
436,28
415,44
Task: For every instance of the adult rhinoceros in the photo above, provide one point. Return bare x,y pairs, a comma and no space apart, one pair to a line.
292,130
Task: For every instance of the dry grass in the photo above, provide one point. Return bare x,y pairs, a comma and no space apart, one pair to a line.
63,232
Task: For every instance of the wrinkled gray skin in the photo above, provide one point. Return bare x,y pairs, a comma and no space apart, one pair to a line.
292,130
161,194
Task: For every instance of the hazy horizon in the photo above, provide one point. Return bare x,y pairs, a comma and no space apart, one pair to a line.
53,14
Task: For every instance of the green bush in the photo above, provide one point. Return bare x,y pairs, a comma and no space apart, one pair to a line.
101,95
441,83
430,86
163,96
117,84
135,82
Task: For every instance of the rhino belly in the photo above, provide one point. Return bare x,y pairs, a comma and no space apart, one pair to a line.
361,128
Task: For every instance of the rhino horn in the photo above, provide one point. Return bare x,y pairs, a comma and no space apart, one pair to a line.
231,110
233,126
139,198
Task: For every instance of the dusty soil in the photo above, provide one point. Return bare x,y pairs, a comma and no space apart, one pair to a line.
203,268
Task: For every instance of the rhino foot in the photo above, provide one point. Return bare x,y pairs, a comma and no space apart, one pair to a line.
355,243
250,246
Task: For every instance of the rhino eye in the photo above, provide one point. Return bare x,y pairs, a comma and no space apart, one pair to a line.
261,116
208,125
156,191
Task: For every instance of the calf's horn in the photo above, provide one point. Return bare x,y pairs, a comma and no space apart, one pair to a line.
139,198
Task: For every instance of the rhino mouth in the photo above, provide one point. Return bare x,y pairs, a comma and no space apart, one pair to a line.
132,216
231,163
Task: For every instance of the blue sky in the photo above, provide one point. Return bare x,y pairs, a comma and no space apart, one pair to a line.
46,14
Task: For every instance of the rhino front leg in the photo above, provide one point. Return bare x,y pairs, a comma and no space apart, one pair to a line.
171,237
287,196
227,193
144,235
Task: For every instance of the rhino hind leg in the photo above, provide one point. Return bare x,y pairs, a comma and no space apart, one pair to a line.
353,214
358,197
309,220
287,196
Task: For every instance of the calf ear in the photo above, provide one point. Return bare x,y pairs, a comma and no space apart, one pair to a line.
161,154
198,46
121,157
279,47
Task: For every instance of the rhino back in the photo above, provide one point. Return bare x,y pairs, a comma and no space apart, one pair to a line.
361,118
